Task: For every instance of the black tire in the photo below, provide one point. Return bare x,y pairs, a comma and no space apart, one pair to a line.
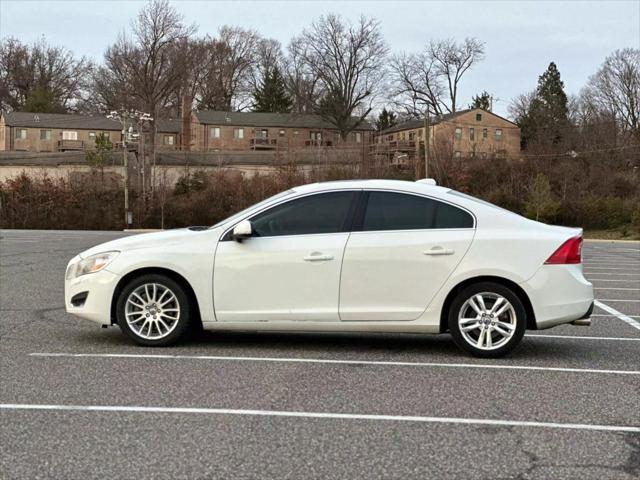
183,321
516,317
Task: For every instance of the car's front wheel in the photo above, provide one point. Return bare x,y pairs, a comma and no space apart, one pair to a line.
153,310
487,320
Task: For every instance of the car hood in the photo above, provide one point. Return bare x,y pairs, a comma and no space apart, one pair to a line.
146,240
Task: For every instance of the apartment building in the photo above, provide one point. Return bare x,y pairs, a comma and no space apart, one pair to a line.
468,133
221,131
208,130
48,132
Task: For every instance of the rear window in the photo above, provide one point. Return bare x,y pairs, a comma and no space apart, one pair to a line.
400,211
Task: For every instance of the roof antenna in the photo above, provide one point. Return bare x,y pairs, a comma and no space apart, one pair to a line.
36,118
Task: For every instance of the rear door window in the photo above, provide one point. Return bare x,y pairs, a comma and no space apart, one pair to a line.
400,211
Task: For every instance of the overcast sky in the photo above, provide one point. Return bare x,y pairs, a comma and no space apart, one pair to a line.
521,37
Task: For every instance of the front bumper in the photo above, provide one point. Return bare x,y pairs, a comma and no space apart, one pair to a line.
559,294
99,288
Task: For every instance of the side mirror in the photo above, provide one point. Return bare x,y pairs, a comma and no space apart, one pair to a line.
242,230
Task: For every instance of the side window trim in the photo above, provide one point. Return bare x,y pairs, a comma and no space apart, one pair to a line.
346,227
358,225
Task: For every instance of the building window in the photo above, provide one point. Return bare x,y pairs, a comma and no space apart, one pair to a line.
169,139
420,133
214,132
358,137
45,134
458,154
478,117
485,133
390,138
458,133
21,133
412,135
484,155
106,136
472,154
264,133
69,135
238,133
281,133
92,135
498,134
315,136
472,134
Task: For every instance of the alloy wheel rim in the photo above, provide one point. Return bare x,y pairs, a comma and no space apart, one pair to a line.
487,321
152,311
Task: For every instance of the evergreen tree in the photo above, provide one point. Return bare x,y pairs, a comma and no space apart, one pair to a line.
548,114
271,95
385,120
540,204
41,100
482,101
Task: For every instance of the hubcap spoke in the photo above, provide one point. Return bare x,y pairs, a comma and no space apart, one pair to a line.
487,321
470,327
146,316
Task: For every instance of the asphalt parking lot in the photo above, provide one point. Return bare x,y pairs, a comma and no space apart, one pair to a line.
565,404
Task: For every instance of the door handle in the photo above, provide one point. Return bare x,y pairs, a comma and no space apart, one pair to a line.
439,251
317,257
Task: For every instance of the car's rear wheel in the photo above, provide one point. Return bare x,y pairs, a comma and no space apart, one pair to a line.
153,310
487,319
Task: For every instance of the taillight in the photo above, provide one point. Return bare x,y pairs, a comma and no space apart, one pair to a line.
569,252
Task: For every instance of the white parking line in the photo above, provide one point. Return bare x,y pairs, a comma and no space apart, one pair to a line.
606,268
617,300
614,274
611,316
633,282
324,415
225,358
579,337
616,288
625,318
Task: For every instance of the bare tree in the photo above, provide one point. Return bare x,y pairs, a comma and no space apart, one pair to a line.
615,89
417,85
520,106
430,80
348,61
40,77
231,63
302,84
146,68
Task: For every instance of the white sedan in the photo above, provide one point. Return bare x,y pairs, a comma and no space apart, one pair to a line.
356,256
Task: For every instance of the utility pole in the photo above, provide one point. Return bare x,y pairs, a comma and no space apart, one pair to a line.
127,118
426,143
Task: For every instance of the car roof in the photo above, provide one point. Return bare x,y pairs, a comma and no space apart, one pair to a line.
402,185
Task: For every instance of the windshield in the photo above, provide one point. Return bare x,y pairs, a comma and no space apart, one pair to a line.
241,213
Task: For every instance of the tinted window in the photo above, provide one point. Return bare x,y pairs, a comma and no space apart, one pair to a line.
322,213
448,216
398,211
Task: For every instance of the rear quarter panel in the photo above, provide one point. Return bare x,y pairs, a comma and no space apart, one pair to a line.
505,245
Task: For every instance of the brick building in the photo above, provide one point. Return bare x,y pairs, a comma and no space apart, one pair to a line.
467,133
207,131
216,130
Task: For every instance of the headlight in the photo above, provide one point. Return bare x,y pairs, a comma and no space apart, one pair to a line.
91,264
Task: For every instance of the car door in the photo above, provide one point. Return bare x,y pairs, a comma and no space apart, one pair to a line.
403,248
289,270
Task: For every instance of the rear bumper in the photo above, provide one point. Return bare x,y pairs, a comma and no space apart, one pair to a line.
559,294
